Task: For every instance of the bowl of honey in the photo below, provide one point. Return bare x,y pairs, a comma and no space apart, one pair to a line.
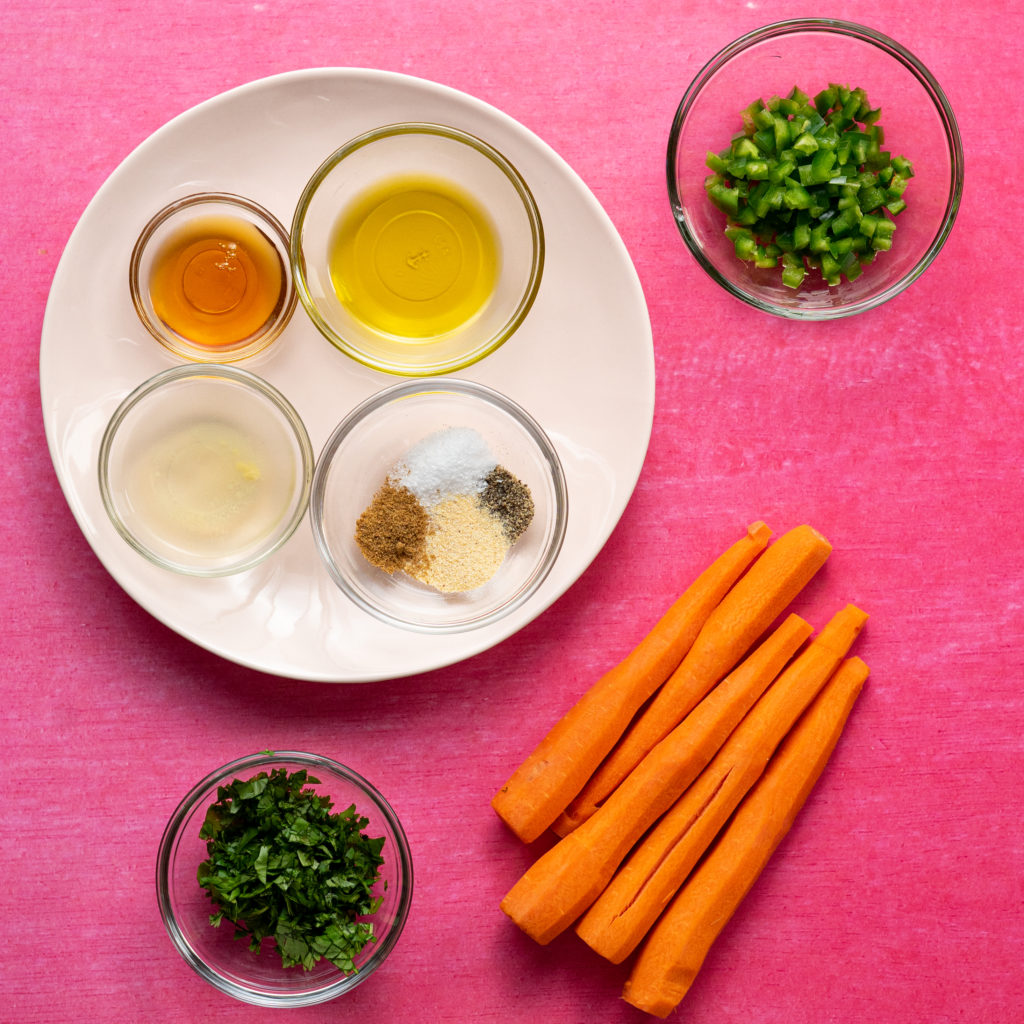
417,249
210,277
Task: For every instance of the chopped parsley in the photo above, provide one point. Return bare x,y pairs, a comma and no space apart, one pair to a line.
281,865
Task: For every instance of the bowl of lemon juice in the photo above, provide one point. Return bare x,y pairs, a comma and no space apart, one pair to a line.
417,249
205,470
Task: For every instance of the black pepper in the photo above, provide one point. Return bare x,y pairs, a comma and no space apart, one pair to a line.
508,498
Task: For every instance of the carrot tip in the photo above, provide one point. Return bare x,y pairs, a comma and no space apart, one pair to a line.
760,532
805,528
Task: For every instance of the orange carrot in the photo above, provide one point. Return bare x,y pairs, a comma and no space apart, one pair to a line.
622,915
742,616
570,876
679,943
553,774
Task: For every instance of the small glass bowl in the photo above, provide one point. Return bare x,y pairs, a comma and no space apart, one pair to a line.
367,166
205,470
367,445
210,277
227,963
809,53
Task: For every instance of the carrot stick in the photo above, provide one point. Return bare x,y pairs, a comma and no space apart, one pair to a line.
570,876
741,617
553,774
679,943
622,915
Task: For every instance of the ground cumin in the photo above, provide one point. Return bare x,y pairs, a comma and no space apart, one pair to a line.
392,530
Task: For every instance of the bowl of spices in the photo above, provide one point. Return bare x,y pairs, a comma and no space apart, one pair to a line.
439,505
417,249
205,470
284,879
210,277
815,168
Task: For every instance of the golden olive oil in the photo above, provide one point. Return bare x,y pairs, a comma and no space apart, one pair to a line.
414,257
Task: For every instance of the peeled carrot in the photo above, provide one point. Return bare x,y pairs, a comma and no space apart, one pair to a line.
679,943
622,915
732,628
553,774
569,877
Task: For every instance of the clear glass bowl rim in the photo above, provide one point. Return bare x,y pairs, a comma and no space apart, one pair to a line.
217,370
182,346
895,50
256,762
463,387
499,160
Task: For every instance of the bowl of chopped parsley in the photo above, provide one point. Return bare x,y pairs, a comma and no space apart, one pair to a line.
815,168
284,879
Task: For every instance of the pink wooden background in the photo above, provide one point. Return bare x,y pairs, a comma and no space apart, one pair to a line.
898,896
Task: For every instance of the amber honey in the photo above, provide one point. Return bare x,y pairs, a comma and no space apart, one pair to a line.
217,281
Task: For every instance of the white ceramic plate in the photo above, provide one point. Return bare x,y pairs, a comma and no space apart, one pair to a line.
582,364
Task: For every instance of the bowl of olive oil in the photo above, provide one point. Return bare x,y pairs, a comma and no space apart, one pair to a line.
417,249
210,277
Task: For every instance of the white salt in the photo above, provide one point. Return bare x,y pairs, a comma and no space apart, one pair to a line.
449,462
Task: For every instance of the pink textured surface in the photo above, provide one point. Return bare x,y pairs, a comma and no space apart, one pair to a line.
898,895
